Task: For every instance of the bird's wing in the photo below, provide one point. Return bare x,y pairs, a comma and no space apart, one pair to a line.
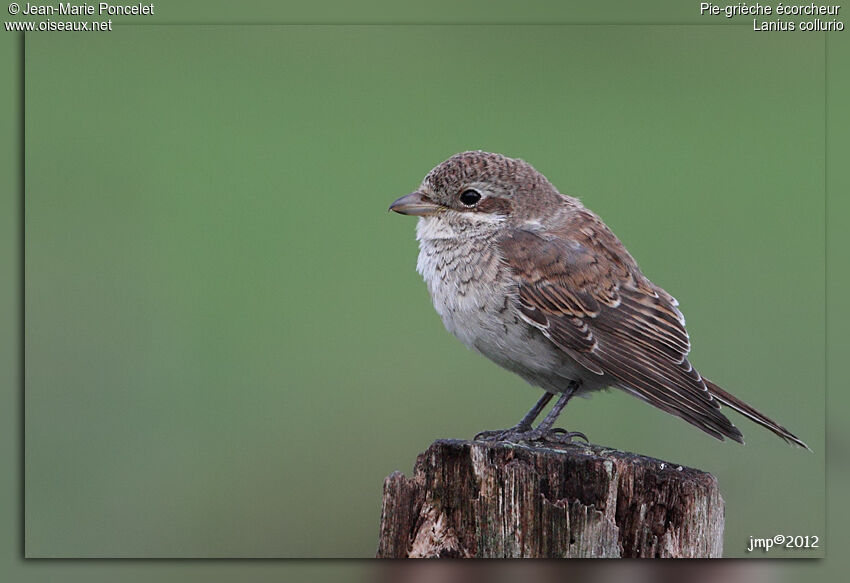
580,287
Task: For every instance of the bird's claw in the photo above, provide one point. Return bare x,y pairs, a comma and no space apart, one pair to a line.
518,434
564,436
513,434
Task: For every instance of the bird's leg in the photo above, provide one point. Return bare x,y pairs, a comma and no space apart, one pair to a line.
544,431
521,428
529,418
523,431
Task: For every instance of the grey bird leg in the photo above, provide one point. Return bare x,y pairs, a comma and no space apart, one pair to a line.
522,431
522,427
545,431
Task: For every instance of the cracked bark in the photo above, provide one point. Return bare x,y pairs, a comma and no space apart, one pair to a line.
476,499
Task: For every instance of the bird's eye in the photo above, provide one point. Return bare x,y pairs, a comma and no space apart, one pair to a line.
470,197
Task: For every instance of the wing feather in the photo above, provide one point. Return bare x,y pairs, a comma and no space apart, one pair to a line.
584,292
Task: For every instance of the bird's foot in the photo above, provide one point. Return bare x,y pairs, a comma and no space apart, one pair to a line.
514,434
559,435
517,434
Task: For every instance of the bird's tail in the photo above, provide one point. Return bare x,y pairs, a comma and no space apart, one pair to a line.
747,411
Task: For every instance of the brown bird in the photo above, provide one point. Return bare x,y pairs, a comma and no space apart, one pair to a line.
536,282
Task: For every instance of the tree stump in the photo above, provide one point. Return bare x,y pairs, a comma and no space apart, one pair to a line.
481,499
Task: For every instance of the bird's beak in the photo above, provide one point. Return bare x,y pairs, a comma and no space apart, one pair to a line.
416,204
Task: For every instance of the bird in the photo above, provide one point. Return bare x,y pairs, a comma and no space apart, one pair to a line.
534,281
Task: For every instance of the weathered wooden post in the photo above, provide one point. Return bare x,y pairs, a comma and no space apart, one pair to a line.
481,499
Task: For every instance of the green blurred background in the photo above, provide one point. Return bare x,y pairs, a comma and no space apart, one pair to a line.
227,345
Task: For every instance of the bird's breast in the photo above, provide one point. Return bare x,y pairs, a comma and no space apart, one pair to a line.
474,294
469,286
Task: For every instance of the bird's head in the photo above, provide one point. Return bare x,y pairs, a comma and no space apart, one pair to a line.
479,192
